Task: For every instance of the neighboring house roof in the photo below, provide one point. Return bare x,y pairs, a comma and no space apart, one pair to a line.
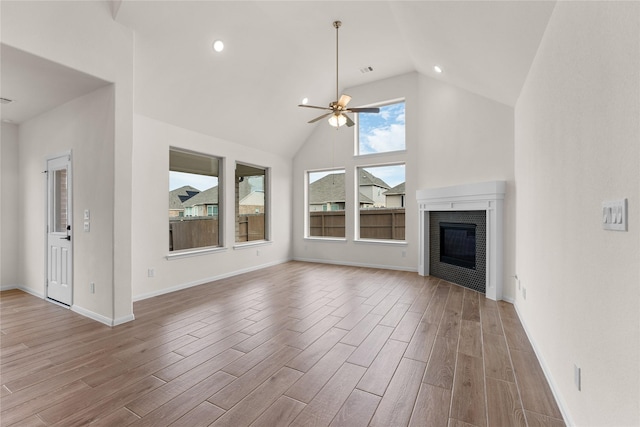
255,198
366,178
206,197
180,195
330,189
396,191
244,188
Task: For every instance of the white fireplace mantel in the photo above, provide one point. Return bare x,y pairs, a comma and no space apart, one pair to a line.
483,196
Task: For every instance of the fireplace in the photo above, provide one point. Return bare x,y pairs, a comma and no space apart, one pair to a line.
454,219
457,248
458,244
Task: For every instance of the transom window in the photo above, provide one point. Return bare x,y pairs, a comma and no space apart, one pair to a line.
383,132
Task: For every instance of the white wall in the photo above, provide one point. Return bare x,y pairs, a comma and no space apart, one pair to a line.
84,126
150,208
84,36
9,213
577,133
466,138
452,136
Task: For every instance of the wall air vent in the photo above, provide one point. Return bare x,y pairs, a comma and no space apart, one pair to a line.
6,100
364,70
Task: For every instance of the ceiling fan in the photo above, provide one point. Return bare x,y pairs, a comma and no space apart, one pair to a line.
338,108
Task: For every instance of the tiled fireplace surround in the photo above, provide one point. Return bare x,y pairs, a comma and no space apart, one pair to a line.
484,196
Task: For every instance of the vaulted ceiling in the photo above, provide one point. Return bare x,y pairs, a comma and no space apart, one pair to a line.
277,52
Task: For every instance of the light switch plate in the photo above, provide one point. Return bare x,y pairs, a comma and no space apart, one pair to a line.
87,215
614,215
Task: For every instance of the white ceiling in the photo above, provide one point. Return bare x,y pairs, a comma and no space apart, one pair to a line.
278,52
37,85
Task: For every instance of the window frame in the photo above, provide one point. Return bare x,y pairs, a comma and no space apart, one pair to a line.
356,208
267,205
199,250
356,131
307,210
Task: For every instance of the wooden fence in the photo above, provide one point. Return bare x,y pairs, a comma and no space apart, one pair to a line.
193,232
250,227
199,232
380,223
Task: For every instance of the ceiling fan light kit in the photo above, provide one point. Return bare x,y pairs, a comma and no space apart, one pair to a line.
337,109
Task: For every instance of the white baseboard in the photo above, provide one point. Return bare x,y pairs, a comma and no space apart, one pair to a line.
91,315
123,319
23,289
356,264
510,301
547,373
206,280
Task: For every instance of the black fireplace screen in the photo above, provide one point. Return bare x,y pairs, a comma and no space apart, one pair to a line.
458,244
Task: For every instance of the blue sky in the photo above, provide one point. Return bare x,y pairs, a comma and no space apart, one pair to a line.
201,182
382,132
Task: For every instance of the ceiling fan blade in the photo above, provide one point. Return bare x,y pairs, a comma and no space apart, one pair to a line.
349,121
344,100
364,110
319,118
313,106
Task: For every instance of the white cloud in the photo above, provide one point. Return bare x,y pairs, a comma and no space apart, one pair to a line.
384,139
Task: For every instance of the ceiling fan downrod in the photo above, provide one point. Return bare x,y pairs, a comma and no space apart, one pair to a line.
336,25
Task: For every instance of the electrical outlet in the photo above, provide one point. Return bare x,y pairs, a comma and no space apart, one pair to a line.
92,288
257,252
404,254
524,292
577,377
151,272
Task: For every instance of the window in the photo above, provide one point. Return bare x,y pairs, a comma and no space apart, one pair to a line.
194,183
381,202
326,201
251,203
382,132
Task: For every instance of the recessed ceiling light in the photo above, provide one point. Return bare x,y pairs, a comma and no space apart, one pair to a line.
218,46
305,100
437,69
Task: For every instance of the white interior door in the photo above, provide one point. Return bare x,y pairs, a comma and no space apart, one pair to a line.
59,243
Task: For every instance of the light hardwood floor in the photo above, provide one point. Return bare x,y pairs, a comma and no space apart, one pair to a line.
297,344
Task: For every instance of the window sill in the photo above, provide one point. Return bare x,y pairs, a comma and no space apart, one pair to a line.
382,154
381,242
326,239
252,244
190,253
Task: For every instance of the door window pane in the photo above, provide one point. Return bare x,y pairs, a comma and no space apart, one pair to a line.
60,201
